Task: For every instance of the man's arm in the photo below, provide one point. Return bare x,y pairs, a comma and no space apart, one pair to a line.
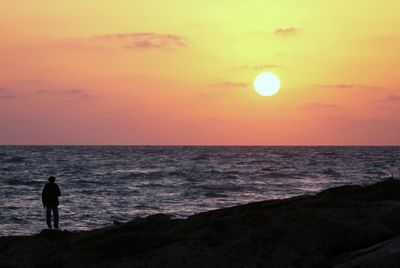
58,191
44,196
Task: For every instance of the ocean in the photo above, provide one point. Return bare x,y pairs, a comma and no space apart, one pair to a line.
102,184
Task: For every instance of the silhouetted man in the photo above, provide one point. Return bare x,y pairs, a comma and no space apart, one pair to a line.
50,195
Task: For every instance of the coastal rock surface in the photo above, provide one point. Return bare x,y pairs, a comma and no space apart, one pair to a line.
347,226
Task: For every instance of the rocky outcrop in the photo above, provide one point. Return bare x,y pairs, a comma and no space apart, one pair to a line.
385,254
347,226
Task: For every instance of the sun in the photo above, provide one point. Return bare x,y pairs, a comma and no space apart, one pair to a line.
267,84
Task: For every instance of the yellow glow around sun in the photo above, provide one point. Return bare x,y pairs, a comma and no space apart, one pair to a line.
267,84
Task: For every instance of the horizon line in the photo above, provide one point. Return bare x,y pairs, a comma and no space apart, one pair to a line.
207,145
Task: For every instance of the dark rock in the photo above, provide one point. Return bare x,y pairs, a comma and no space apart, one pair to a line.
383,255
347,226
54,234
159,217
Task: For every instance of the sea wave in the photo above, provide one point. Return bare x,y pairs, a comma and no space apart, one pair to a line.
15,159
115,182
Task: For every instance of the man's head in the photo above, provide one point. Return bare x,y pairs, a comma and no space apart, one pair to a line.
52,179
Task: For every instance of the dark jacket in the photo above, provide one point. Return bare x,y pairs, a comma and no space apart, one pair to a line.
50,194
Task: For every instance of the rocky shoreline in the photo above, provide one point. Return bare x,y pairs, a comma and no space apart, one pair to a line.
347,226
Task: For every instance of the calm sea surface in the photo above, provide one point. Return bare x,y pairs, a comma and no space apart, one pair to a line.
100,184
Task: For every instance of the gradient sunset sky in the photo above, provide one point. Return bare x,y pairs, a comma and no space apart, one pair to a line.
180,72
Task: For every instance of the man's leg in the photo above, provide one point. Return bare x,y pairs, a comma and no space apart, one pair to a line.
48,216
55,213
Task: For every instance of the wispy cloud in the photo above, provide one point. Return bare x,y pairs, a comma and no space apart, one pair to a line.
384,108
327,118
390,99
370,121
287,31
67,92
349,86
318,106
393,98
7,94
257,67
10,96
228,85
145,40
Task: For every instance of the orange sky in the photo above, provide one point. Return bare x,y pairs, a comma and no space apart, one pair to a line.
180,72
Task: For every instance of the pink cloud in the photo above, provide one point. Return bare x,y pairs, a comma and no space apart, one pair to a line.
349,86
71,92
146,40
7,94
228,85
287,31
